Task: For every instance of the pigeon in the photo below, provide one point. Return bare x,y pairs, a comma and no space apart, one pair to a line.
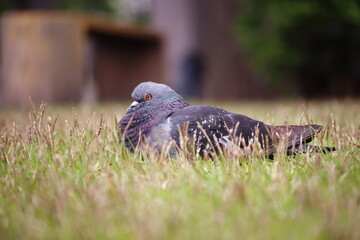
160,117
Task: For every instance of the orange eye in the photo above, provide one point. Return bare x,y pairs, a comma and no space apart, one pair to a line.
148,97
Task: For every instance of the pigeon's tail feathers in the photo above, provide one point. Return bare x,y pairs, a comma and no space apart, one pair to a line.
297,133
294,136
307,148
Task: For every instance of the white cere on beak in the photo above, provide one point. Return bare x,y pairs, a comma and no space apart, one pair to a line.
134,103
130,109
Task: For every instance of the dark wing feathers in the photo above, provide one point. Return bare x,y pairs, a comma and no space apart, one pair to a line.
217,123
210,123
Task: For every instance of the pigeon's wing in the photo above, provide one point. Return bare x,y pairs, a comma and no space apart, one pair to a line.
294,136
211,127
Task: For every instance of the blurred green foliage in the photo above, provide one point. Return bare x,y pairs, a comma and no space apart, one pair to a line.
3,6
94,6
311,42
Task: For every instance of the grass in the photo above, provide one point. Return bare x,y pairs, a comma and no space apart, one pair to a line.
64,175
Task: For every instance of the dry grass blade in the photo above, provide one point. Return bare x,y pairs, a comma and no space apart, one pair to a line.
99,130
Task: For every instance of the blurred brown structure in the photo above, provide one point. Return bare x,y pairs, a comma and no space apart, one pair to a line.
53,57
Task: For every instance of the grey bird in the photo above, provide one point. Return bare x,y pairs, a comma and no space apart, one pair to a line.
159,116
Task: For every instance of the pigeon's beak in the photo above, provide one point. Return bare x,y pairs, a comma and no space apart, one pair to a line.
132,106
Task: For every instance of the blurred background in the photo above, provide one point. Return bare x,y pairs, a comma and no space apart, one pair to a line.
99,50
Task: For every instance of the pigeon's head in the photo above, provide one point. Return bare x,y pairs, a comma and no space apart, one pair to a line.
151,94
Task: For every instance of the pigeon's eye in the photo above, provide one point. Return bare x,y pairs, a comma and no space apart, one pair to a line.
148,97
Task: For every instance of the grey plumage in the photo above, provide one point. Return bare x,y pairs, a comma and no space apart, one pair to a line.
159,116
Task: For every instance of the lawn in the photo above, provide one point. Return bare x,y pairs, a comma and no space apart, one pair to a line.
64,175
